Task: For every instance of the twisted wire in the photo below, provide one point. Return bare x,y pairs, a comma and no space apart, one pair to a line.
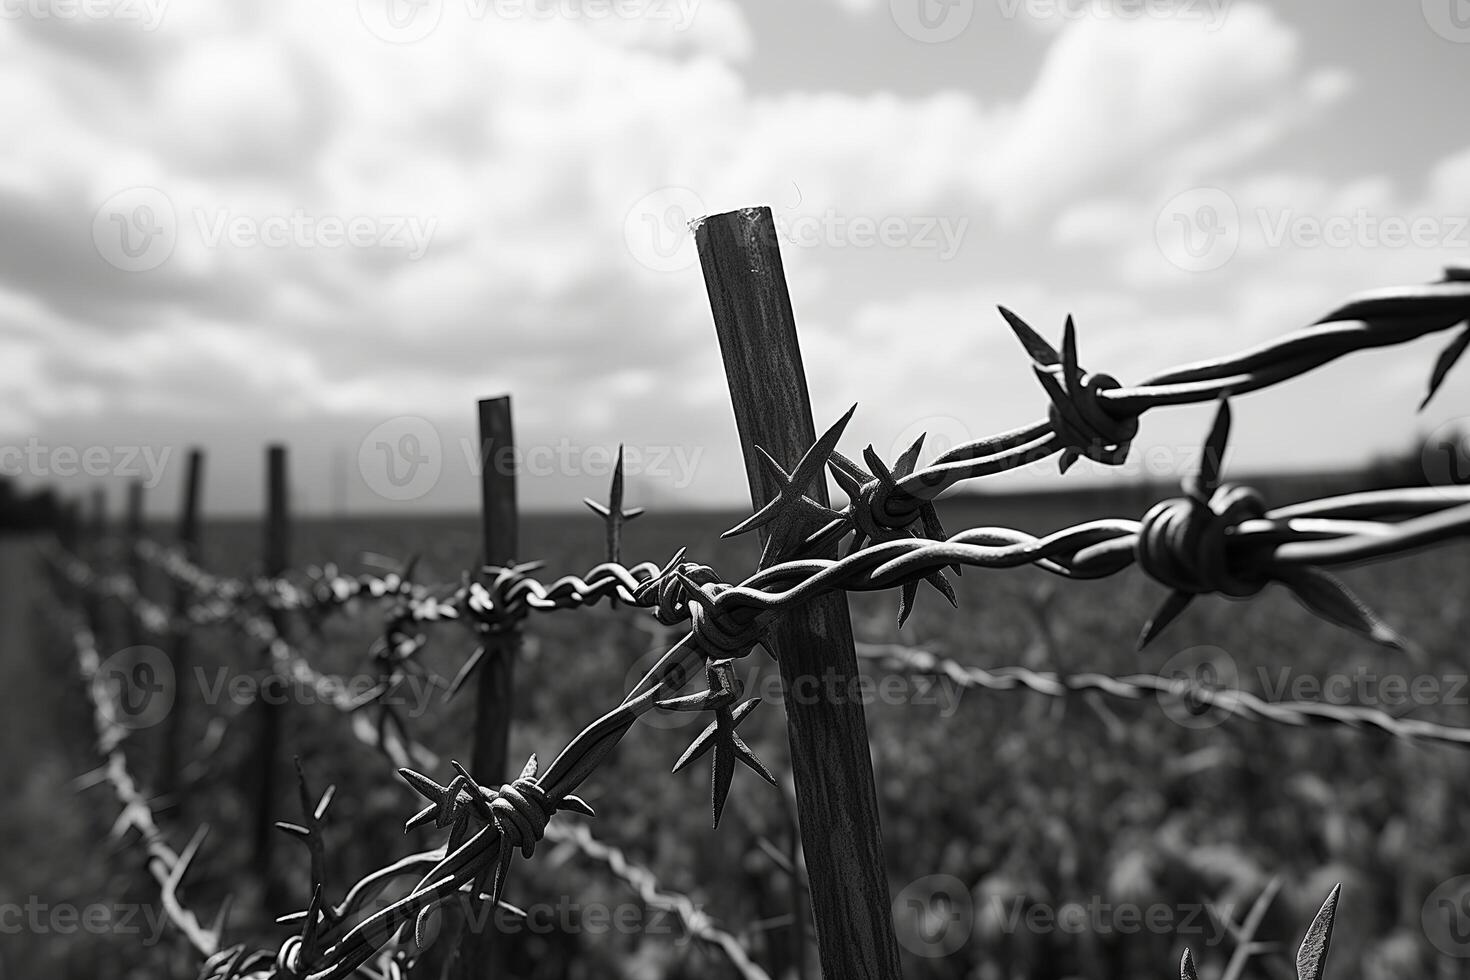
166,866
653,893
1096,415
1136,687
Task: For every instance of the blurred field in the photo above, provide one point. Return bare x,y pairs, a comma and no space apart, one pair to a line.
1029,802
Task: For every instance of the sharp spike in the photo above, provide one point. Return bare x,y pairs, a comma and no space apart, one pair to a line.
1042,353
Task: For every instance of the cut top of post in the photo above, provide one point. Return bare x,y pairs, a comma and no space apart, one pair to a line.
498,531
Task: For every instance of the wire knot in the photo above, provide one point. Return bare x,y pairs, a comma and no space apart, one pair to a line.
521,810
1184,543
1078,416
501,600
1085,427
672,593
720,634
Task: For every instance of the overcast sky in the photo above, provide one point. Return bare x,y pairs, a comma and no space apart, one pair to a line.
338,224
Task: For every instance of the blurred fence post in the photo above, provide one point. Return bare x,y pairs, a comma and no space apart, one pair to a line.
837,802
95,554
480,952
132,561
176,735
273,687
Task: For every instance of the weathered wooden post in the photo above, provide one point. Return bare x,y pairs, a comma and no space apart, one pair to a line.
273,687
176,735
837,802
479,952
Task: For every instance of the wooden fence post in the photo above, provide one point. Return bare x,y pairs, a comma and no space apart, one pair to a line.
132,561
480,952
95,547
837,802
273,687
176,736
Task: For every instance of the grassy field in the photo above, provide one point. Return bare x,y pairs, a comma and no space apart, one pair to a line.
1146,820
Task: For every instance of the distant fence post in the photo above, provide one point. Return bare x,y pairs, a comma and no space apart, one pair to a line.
480,952
837,802
95,547
277,557
132,561
176,735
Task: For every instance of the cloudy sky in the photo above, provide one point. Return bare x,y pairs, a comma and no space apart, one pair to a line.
338,224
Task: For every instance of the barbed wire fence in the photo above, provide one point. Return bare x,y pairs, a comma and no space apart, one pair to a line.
1217,538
